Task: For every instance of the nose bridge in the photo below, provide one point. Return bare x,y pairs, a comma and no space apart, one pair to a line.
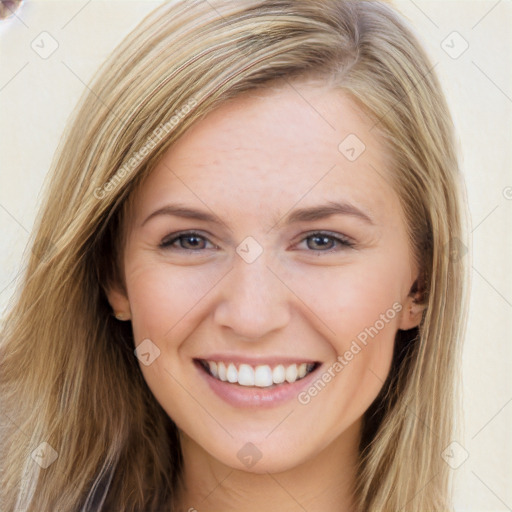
254,300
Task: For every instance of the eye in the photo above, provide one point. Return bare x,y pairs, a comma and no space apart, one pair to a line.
317,242
188,241
327,242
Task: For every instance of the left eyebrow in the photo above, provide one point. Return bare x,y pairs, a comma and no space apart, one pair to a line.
323,211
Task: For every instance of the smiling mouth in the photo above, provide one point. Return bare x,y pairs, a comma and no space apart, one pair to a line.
261,376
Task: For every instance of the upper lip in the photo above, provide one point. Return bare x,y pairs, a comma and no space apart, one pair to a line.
252,361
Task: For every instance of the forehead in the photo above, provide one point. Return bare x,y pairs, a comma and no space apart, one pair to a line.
265,151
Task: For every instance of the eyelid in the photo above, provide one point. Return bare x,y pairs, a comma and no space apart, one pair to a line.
170,239
341,239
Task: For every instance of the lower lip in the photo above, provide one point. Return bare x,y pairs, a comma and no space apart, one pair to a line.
245,396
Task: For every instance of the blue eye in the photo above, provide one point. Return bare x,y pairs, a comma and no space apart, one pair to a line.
193,241
327,242
189,241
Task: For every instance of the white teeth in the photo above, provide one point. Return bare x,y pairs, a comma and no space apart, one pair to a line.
291,373
232,374
221,368
278,375
262,376
246,375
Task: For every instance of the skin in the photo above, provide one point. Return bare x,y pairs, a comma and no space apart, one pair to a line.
251,162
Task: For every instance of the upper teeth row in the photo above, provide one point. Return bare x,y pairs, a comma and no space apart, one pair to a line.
261,376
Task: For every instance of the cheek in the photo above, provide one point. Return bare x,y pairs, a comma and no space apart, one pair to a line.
163,301
361,306
352,299
161,297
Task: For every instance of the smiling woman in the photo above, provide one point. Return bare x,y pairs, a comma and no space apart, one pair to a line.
246,293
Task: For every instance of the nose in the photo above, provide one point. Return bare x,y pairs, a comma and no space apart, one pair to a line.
254,301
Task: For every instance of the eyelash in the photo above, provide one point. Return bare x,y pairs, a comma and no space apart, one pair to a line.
343,241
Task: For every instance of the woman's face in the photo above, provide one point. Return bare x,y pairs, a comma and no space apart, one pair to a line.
298,262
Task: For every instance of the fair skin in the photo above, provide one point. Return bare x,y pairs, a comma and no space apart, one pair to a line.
304,299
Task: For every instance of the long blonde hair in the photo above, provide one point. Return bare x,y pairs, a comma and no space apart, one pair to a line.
68,374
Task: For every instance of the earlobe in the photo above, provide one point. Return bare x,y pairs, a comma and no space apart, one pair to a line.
411,315
119,303
414,306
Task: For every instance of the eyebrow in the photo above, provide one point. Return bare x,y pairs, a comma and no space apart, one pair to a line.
308,214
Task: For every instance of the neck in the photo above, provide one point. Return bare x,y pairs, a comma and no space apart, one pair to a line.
323,483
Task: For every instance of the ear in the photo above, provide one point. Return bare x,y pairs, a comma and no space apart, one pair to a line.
118,299
413,308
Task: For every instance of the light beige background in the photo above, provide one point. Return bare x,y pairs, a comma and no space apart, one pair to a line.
38,92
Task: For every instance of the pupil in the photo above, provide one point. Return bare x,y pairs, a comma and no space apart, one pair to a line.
194,240
322,240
